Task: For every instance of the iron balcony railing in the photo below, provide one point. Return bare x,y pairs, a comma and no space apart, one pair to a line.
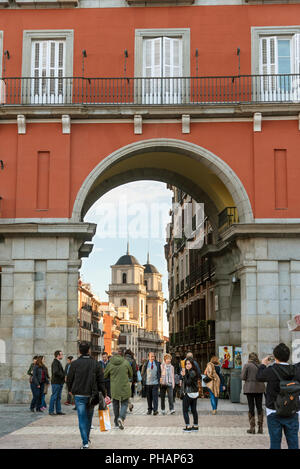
151,91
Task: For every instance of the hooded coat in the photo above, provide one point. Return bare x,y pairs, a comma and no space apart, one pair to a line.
267,375
120,372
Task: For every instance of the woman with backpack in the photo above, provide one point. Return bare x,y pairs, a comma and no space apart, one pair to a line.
254,391
214,381
189,394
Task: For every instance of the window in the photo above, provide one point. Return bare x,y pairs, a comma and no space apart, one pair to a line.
278,59
47,66
162,58
123,302
124,278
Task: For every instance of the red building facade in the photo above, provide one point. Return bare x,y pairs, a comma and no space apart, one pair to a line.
202,95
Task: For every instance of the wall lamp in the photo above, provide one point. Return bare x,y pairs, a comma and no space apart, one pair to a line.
84,56
238,53
197,62
6,57
125,59
235,279
1,164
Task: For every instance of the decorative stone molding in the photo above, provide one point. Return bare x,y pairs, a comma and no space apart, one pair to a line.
47,2
162,2
138,124
257,118
66,124
186,119
21,121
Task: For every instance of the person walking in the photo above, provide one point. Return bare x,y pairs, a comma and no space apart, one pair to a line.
167,383
151,373
30,373
85,379
129,356
120,373
70,399
189,392
254,391
177,377
104,362
57,383
39,379
212,372
273,374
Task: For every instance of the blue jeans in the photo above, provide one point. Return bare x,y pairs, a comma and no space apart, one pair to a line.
55,398
85,417
120,412
289,425
213,400
37,396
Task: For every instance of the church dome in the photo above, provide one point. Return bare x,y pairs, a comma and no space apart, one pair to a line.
127,259
150,269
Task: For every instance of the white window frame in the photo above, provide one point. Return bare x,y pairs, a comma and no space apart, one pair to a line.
140,35
267,31
66,35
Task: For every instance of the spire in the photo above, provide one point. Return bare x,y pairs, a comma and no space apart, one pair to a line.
127,247
148,258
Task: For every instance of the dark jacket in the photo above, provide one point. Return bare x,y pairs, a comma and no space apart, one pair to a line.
190,381
249,374
37,375
132,362
84,375
144,371
103,366
57,372
267,375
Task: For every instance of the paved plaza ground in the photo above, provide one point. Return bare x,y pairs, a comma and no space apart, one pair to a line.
21,429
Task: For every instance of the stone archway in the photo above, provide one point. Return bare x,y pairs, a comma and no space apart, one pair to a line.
92,189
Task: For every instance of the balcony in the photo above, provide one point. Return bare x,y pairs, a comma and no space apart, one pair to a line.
182,92
226,218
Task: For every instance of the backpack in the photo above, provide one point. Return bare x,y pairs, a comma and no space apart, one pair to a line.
287,401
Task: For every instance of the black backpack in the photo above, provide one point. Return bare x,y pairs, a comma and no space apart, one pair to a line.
287,401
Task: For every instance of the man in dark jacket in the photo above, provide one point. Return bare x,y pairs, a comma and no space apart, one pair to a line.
85,377
151,377
57,383
266,373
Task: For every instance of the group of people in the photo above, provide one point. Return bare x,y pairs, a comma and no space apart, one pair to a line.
116,377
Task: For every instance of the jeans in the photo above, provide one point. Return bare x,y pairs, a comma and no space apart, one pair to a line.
187,403
169,391
85,417
289,425
213,400
44,401
255,399
37,396
120,412
152,397
55,398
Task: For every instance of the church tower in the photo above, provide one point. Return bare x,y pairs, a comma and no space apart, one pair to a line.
155,299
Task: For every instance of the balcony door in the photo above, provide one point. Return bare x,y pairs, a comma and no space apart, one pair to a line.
162,71
47,72
280,65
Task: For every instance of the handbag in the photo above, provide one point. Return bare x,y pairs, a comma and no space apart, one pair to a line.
102,403
46,388
207,379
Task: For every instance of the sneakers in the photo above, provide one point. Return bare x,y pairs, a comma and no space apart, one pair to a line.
187,429
194,429
92,427
163,412
149,412
155,413
130,407
84,447
60,413
172,412
121,423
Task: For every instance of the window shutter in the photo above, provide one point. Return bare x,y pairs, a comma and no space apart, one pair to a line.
152,69
296,67
172,67
48,64
268,66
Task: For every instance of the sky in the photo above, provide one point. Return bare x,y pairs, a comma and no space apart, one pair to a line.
137,212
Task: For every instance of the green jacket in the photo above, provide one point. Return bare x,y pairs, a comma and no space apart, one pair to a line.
119,371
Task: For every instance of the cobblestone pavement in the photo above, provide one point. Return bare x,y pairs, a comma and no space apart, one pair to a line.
227,429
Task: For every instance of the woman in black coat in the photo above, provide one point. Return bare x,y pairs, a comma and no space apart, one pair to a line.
189,392
39,378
